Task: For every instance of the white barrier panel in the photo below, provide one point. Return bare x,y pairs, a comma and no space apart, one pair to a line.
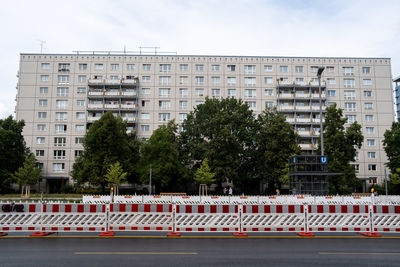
386,218
140,217
128,199
338,218
20,217
73,218
273,218
157,199
207,218
96,199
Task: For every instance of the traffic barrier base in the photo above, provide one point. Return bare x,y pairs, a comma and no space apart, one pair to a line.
369,234
37,234
107,234
3,234
308,234
174,234
240,234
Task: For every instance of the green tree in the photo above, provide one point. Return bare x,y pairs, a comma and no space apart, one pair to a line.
27,175
222,131
391,144
116,176
13,150
106,142
340,147
161,154
275,142
204,175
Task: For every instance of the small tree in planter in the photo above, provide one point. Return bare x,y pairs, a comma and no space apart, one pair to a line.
204,176
27,175
116,176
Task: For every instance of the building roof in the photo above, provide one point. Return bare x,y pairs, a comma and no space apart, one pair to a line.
397,79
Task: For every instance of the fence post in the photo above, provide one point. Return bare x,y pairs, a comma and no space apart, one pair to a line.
107,231
240,215
306,231
173,233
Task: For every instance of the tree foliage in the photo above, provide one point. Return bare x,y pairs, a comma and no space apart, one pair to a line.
391,144
116,176
340,147
13,150
28,174
204,175
161,154
105,143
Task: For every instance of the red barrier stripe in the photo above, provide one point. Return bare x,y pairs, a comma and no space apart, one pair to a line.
122,207
92,208
213,209
213,229
79,228
147,208
244,208
134,228
343,209
68,208
67,229
44,207
254,209
254,229
111,207
159,208
320,209
92,229
170,207
396,209
345,229
159,228
135,207
302,209
374,209
267,229
18,228
201,229
225,209
385,209
357,229
386,229
81,208
320,229
188,229
279,208
32,208
267,209
56,208
200,209
31,228
332,209
356,209
103,208
225,229
121,228
146,228
6,228
279,229
236,208
292,229
177,208
332,229
291,208
397,230
188,208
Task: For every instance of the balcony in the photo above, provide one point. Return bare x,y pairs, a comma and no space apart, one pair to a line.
307,146
111,106
92,119
129,81
113,81
302,96
95,81
286,107
303,120
95,106
305,108
128,93
290,120
317,108
303,84
128,106
304,133
283,95
129,119
316,120
112,93
286,82
323,96
95,93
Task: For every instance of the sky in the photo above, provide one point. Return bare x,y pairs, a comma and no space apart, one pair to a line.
315,28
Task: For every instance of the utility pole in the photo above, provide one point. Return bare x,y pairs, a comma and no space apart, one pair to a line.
150,182
386,189
321,132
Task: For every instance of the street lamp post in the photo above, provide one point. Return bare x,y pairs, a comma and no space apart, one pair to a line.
321,132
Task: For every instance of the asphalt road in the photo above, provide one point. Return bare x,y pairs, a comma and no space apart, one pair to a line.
199,251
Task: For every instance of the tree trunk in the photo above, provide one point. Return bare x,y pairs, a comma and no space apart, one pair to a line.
22,190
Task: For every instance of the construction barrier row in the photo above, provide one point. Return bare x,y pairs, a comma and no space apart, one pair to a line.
177,218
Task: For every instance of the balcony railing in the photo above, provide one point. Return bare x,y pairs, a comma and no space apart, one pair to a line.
283,95
303,120
129,81
91,119
286,107
113,106
94,93
128,93
113,81
95,106
303,108
116,93
129,119
302,95
96,81
128,106
304,133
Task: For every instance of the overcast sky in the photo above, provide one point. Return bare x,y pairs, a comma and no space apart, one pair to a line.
343,28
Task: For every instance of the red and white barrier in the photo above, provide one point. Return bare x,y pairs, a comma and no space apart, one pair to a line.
386,218
20,217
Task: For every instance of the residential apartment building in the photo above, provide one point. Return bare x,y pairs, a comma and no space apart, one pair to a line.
397,95
60,94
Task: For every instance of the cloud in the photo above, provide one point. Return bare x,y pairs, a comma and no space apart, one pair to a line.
276,28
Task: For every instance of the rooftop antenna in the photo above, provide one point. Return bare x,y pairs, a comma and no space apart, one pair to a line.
42,43
124,49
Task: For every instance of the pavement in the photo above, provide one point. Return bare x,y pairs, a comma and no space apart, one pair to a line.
199,249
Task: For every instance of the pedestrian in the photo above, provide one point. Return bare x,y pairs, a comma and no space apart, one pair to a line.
278,193
225,190
230,191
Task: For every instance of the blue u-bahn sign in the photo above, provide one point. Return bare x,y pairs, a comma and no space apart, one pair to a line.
324,159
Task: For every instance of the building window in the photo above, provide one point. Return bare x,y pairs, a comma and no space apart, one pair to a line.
349,106
215,67
299,69
249,69
145,103
146,79
80,115
283,68
45,66
370,142
81,90
215,80
78,140
61,116
164,117
130,67
183,92
183,105
348,71
165,67
231,80
165,80
356,157
314,69
82,66
78,153
39,153
369,118
146,67
60,141
216,93
199,92
351,118
43,90
267,68
145,116
183,67
199,67
252,104
182,117
231,92
81,78
114,67
366,70
63,67
371,155
367,94
348,83
299,80
372,167
367,82
145,128
40,140
62,91
356,168
80,103
58,167
61,128
368,106
331,81
268,92
61,104
80,128
41,127
42,115
44,78
183,79
198,102
249,81
349,95
164,92
199,80
269,104
331,93
163,105
370,130
250,93
268,80
63,79
42,102
145,91
330,69
231,67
